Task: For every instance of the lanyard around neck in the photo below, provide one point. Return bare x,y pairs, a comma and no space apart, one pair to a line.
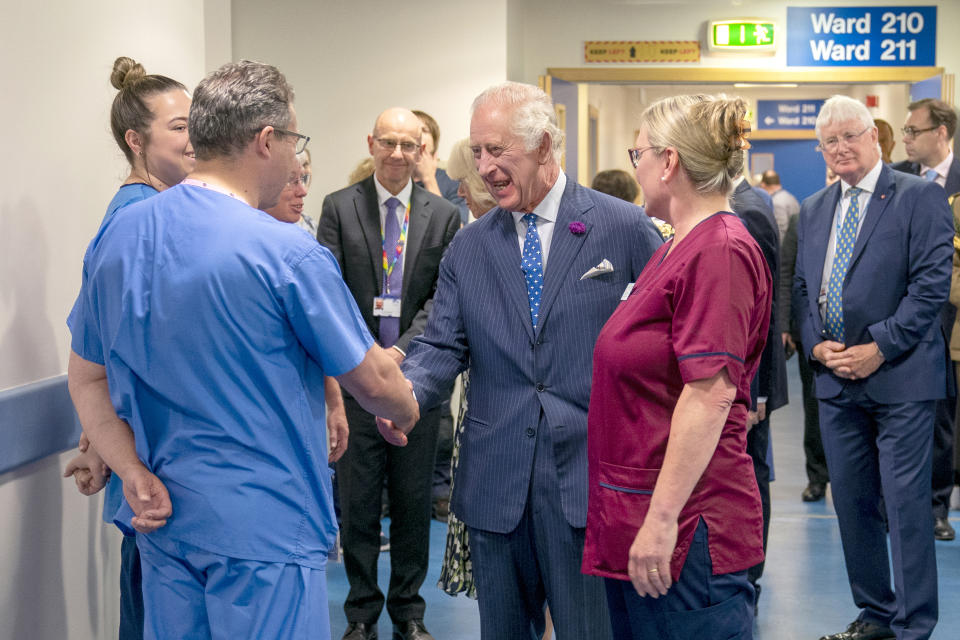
388,264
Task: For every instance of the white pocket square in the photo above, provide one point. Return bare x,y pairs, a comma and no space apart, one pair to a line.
600,269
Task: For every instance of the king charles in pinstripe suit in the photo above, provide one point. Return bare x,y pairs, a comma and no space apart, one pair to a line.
521,487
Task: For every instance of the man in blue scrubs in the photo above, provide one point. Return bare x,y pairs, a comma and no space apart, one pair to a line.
215,325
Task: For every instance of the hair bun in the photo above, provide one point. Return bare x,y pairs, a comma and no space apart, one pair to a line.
125,72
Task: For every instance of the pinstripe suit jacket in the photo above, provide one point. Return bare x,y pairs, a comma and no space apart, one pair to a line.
481,320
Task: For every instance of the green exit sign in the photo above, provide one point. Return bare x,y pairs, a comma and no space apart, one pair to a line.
743,35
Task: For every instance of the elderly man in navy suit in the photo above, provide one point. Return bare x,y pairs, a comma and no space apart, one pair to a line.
927,134
872,273
522,295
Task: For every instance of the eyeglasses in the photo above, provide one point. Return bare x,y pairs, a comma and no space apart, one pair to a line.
302,140
832,145
305,180
913,132
636,153
389,144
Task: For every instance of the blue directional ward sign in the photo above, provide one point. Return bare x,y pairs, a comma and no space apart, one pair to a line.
861,36
787,114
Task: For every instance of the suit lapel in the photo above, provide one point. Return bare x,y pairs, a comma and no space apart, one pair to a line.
368,217
419,222
505,250
564,246
882,195
953,177
820,237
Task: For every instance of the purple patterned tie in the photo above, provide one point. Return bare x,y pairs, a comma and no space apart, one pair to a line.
390,327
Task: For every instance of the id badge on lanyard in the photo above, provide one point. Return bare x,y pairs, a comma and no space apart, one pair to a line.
388,305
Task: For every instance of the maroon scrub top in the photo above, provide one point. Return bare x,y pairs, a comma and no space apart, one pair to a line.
704,307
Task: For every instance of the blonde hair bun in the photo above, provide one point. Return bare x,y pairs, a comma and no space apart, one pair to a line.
125,72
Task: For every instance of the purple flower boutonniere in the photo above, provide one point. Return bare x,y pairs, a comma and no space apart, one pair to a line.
577,228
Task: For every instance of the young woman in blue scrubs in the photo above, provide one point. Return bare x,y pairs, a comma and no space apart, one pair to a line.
149,123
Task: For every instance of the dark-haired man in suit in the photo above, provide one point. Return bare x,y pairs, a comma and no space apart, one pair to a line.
522,295
927,134
872,273
388,236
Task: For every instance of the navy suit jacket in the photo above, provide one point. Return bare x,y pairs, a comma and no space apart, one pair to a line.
481,319
757,217
897,280
952,185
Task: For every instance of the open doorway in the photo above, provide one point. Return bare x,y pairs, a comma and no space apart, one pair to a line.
602,106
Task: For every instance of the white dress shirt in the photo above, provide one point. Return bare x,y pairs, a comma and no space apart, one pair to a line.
868,184
942,169
404,197
547,212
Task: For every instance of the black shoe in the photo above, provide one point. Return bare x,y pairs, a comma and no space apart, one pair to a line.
360,631
814,492
860,630
411,630
942,529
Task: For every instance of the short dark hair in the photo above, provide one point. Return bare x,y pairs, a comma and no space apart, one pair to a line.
232,104
129,110
431,126
940,112
770,178
617,183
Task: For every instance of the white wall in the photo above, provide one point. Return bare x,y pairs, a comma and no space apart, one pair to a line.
350,60
58,170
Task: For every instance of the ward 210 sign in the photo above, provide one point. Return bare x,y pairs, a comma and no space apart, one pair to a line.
861,36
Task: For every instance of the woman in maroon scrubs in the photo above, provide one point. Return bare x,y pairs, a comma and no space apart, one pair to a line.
674,515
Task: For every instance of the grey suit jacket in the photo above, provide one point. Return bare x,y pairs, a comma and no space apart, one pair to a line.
350,227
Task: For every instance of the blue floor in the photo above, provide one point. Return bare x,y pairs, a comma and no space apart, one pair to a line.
805,590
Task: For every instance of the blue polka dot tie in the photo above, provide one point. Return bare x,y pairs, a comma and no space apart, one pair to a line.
532,266
841,260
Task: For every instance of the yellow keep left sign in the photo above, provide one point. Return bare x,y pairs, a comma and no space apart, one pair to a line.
644,51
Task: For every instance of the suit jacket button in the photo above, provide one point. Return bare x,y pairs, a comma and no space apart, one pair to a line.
531,432
540,386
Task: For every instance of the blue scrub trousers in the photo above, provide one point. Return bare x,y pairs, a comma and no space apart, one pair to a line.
192,594
699,606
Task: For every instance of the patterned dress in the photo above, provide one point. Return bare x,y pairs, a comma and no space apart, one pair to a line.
456,576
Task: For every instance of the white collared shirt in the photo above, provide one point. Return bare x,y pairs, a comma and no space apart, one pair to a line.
404,197
868,185
942,169
547,212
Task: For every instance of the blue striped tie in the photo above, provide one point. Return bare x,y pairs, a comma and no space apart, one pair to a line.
841,260
532,266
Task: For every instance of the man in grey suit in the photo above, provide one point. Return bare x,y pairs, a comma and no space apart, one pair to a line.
522,296
388,236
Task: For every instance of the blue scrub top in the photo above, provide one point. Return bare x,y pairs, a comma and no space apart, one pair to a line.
217,324
127,194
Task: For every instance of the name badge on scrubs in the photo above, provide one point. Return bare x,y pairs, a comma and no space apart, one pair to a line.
386,306
626,292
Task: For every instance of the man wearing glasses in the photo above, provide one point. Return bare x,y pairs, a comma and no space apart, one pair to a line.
388,235
927,134
215,327
872,273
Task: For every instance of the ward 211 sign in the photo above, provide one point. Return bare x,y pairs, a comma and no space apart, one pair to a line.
861,36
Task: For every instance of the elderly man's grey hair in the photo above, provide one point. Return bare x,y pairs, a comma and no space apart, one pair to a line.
840,109
533,114
232,104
